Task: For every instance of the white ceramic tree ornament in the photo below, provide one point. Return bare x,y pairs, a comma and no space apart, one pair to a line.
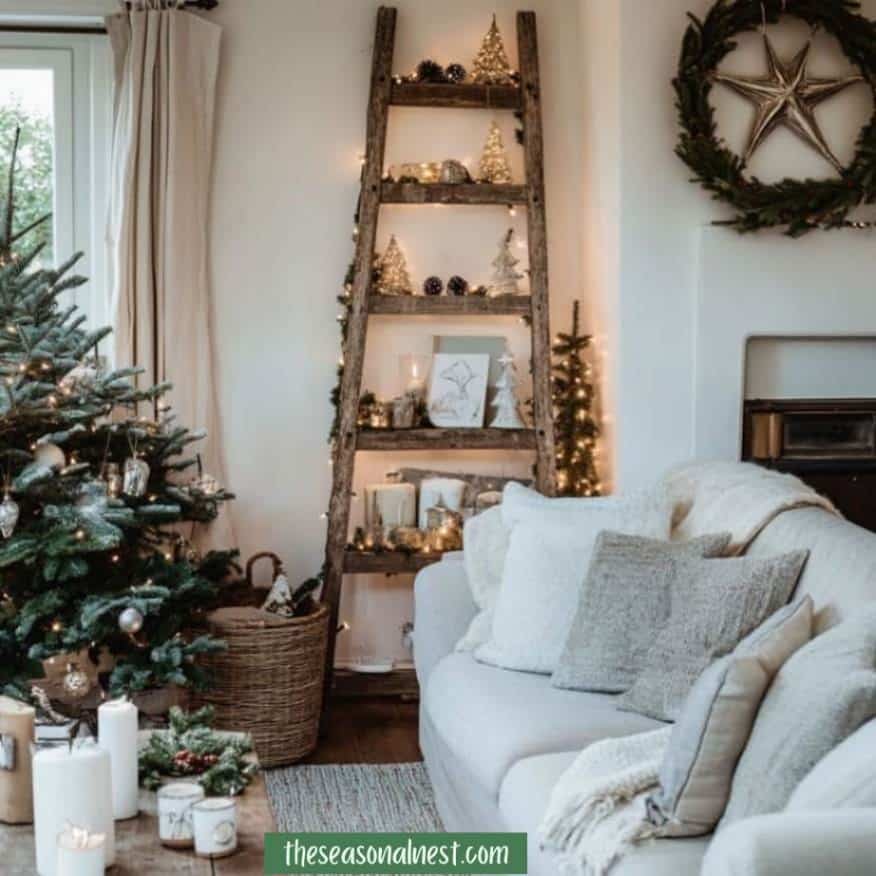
507,411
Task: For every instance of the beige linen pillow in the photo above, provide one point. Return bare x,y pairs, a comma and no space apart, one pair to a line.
711,733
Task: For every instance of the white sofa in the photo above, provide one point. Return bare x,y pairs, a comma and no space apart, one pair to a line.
495,742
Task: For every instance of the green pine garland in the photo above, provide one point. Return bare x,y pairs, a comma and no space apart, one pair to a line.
799,205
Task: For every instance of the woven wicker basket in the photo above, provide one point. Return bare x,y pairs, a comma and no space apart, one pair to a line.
269,681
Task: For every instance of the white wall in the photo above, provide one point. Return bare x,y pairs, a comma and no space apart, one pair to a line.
682,297
291,125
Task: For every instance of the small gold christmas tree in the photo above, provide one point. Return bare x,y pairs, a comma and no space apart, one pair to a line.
393,270
491,66
494,167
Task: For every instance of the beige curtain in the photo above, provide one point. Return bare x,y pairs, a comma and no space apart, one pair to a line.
166,63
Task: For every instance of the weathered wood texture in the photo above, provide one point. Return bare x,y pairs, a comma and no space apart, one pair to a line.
138,851
463,193
447,439
389,562
354,352
456,96
533,150
398,683
527,99
450,305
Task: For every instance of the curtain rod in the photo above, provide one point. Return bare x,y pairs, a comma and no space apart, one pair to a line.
204,5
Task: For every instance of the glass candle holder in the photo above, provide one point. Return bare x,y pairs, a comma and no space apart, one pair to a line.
80,853
414,372
175,804
214,821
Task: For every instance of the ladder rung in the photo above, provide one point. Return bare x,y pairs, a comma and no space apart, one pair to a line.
388,562
442,193
446,439
455,96
450,305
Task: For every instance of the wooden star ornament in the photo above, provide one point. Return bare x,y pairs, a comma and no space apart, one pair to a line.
787,96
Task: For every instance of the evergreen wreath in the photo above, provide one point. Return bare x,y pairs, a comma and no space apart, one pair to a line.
800,205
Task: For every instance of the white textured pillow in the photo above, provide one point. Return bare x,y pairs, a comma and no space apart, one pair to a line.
486,544
549,551
845,778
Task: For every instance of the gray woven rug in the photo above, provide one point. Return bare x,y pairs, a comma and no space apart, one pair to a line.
386,798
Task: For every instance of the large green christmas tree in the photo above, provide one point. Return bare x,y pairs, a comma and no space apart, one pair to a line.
95,477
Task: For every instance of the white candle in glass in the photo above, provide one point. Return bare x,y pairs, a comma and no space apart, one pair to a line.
392,504
81,853
415,370
175,804
214,821
70,785
117,733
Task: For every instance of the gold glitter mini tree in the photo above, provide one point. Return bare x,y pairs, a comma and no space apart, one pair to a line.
494,167
491,66
393,271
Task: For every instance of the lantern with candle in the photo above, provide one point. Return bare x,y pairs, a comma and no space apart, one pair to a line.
414,369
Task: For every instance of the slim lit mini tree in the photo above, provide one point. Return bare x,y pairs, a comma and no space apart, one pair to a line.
494,167
92,481
575,429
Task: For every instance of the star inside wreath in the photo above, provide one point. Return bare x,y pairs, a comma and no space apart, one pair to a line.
787,96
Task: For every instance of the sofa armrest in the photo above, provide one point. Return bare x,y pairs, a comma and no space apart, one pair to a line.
841,842
443,609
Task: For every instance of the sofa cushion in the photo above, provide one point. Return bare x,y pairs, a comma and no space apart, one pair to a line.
524,797
549,551
491,718
845,777
716,721
715,604
822,695
624,602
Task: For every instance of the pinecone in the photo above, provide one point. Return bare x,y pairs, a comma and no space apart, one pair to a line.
430,71
455,73
457,286
433,286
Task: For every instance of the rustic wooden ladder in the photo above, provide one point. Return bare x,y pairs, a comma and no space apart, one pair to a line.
385,92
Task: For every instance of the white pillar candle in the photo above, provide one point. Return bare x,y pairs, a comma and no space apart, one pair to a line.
390,504
449,491
175,804
215,825
117,734
16,784
81,853
71,785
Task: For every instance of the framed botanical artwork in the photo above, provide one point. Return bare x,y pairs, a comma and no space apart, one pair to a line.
458,390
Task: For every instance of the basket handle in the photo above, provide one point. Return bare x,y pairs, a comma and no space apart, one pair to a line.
278,565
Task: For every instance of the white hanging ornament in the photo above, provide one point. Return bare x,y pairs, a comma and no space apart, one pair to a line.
131,621
76,683
507,415
8,515
49,455
135,478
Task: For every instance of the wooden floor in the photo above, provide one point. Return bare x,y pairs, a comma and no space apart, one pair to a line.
370,730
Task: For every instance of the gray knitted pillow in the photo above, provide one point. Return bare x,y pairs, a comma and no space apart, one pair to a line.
715,604
822,695
623,604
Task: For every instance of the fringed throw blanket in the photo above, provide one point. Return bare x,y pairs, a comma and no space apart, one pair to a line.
597,809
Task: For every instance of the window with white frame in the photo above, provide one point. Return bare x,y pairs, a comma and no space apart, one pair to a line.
57,88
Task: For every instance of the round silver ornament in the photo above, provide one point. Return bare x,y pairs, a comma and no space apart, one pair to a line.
453,172
135,479
50,455
8,515
131,621
76,683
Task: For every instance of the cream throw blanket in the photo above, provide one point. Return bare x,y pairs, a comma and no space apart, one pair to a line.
597,809
739,498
